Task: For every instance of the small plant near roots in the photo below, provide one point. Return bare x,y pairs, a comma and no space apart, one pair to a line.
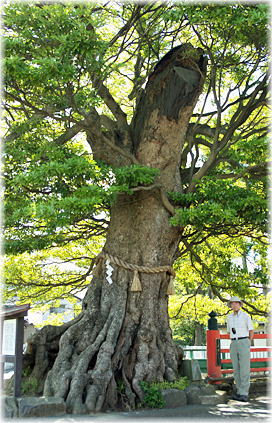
120,387
29,386
153,396
180,384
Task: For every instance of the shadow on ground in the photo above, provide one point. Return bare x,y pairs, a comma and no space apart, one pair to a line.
257,409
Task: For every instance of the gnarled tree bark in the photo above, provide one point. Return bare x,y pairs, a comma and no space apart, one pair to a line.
123,337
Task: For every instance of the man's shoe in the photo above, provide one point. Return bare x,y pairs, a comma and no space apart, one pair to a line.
236,397
243,398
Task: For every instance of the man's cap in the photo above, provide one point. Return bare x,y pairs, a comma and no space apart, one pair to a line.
236,300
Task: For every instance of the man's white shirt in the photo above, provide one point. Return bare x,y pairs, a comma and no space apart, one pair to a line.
241,322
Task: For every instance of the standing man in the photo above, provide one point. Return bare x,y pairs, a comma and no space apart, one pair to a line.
240,327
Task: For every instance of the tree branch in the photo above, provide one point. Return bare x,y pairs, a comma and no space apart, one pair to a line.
166,203
255,172
239,117
134,16
213,286
203,129
114,107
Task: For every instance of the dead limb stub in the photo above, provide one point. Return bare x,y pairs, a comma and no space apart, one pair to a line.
175,84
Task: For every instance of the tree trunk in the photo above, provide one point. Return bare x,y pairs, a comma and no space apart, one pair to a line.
123,337
199,337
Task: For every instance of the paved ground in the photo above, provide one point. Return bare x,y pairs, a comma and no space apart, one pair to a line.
257,409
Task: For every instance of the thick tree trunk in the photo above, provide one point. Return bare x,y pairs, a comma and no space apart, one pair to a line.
123,337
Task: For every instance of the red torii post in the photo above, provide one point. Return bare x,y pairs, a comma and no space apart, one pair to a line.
213,348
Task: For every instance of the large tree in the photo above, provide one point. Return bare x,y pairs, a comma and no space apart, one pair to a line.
108,133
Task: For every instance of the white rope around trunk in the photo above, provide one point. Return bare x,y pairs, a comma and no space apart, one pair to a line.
136,283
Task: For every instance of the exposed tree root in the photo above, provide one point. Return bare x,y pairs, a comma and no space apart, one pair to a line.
104,354
42,350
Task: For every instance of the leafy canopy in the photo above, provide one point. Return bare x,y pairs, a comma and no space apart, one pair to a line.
72,66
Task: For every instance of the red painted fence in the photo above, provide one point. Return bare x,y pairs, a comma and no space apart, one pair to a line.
252,349
214,352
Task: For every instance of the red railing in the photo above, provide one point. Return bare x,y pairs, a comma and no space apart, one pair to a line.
214,352
252,349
